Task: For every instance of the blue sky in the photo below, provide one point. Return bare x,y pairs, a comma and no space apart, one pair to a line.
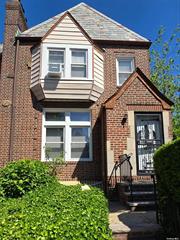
142,16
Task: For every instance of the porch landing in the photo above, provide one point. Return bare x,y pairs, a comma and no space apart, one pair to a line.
127,225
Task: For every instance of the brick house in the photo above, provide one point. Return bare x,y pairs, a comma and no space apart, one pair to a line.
78,83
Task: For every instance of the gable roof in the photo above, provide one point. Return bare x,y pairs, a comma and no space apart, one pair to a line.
95,24
110,102
73,20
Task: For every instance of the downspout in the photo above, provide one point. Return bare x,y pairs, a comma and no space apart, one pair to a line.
104,149
13,103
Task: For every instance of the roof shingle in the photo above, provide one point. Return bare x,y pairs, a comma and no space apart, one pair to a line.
95,24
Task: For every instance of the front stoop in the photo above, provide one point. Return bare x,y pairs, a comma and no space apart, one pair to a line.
127,225
152,233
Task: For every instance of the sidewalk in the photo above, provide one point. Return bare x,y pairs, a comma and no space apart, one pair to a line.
132,225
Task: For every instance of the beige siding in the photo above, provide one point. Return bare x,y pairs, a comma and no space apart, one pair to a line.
66,32
72,90
66,89
98,68
35,66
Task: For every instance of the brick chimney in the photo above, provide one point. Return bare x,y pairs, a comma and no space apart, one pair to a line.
14,21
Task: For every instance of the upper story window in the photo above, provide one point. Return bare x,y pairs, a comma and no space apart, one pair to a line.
56,61
125,66
63,61
79,63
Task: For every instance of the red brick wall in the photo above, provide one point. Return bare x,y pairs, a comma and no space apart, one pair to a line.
136,98
14,20
27,121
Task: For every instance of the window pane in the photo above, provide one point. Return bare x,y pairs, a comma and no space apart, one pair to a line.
80,116
123,77
53,150
79,56
78,71
56,56
79,150
125,65
80,134
55,116
54,135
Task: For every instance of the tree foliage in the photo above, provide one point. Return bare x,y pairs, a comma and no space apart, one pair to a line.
165,66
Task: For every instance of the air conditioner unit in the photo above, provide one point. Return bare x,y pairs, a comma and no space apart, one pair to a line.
55,74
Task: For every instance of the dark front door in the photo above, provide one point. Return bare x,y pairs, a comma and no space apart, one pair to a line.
148,138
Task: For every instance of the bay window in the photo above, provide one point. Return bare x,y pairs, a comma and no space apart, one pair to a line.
66,61
67,132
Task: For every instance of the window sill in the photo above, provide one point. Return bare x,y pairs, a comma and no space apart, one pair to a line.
65,79
70,161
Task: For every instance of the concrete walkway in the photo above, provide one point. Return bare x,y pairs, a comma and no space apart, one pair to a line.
132,224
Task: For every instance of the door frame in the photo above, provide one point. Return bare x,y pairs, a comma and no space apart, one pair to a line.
135,125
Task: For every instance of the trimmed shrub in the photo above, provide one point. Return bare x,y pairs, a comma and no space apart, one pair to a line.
167,168
22,176
56,212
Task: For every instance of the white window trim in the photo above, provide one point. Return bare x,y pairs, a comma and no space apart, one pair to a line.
67,134
86,63
60,50
117,67
67,59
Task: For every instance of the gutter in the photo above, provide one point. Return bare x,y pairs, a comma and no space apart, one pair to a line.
13,103
124,43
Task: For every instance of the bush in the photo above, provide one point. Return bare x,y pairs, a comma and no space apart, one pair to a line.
56,212
167,168
22,176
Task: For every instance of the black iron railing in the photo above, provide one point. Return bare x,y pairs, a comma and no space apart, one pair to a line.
153,177
122,171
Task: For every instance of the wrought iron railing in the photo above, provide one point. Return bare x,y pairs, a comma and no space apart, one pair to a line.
124,168
153,177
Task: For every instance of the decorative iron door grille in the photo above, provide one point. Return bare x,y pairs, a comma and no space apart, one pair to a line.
148,139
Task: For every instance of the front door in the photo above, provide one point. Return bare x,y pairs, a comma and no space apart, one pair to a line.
148,138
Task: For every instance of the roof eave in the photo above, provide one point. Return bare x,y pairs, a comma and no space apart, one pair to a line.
98,41
124,43
28,38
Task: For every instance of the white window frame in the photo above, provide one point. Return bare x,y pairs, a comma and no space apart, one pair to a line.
59,50
86,63
67,60
117,67
66,125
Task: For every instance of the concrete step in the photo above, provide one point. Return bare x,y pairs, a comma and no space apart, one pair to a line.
137,205
139,193
141,203
140,196
138,186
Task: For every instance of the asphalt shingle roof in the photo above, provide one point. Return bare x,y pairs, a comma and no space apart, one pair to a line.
95,24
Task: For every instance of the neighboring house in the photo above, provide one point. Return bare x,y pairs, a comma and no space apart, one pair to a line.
79,83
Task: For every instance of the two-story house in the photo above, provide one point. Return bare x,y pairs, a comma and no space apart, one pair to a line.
78,84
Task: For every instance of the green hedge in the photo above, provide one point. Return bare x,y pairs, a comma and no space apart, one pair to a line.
22,176
167,168
55,212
